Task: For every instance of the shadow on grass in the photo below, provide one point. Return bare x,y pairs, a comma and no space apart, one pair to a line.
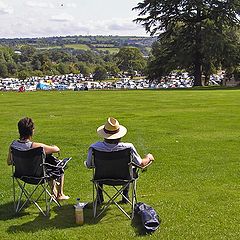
64,218
202,88
7,212
88,214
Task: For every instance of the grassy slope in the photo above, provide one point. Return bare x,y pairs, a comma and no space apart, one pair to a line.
193,184
77,46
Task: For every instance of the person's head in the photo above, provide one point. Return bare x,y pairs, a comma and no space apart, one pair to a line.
25,128
112,131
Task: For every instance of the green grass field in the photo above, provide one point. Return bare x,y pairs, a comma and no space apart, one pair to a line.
48,48
77,46
193,184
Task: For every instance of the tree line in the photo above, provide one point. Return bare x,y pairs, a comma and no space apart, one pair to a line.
29,61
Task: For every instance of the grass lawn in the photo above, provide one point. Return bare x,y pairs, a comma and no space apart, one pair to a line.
48,48
193,184
77,46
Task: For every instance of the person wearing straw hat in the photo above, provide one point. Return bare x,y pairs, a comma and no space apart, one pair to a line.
112,132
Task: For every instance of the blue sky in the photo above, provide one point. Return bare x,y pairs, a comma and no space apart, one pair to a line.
35,18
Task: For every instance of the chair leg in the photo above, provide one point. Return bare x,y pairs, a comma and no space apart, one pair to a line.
46,201
29,196
122,192
112,200
14,195
134,198
95,198
29,199
20,196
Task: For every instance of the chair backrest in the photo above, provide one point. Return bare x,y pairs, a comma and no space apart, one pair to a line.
112,165
28,163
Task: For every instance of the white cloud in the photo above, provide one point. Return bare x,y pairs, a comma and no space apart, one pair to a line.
115,26
41,18
34,4
63,17
37,4
90,27
122,25
5,9
71,5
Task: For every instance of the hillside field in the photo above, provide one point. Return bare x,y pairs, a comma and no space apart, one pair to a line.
193,183
77,46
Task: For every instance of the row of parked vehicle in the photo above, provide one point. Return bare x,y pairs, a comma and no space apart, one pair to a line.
78,82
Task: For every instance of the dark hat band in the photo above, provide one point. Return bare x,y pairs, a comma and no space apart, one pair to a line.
110,132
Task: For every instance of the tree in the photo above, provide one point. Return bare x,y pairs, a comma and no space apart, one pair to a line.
3,70
27,53
23,74
73,68
100,73
12,68
112,68
89,57
184,28
130,59
36,63
63,68
83,68
7,65
159,62
231,58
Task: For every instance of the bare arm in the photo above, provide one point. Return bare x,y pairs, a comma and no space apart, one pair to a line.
48,149
88,162
148,158
9,158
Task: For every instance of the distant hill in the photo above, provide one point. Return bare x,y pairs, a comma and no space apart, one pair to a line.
96,43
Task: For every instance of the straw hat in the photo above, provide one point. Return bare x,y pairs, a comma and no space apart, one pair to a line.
112,129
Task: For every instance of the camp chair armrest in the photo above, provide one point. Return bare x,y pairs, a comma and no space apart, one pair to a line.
135,165
141,167
145,167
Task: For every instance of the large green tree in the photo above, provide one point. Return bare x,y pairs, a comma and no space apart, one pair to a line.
7,65
100,73
192,33
130,59
3,69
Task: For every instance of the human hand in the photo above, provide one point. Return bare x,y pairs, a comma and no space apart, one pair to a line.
56,148
150,157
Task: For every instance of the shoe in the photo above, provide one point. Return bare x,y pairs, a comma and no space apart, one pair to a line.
63,198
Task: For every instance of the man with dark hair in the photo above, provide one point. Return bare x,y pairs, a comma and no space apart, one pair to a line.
26,131
112,132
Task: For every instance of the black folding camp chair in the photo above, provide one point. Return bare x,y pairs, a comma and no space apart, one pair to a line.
114,169
29,168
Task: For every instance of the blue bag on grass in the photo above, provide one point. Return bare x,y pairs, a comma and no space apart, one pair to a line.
149,217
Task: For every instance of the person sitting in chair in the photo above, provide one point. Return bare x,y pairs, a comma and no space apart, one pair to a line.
112,132
26,131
